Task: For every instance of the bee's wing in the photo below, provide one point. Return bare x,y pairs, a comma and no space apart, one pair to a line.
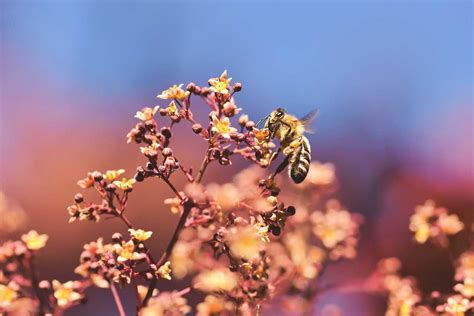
308,120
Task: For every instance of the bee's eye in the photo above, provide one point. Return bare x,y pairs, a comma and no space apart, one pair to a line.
279,112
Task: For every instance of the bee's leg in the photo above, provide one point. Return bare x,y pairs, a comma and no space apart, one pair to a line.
289,130
274,155
281,167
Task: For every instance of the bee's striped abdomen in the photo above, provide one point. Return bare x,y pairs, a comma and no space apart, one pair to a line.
299,161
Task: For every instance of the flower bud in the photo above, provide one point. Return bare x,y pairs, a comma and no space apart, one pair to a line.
117,238
85,256
237,87
162,112
170,162
291,210
166,132
150,125
175,119
224,161
150,165
205,91
276,230
272,200
78,198
230,109
191,87
197,90
213,114
110,187
44,284
161,169
243,119
275,191
216,153
167,152
141,127
139,176
197,128
250,125
98,176
94,266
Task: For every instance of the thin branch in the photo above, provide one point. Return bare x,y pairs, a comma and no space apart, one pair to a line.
117,300
34,282
173,188
204,165
188,205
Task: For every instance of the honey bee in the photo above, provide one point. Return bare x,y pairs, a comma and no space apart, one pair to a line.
289,130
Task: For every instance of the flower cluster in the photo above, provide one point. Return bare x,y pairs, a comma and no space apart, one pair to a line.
21,290
253,242
404,297
434,223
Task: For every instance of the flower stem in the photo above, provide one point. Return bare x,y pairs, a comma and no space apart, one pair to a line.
188,205
117,300
204,165
34,281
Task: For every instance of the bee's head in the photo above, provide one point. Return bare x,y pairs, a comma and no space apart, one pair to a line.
279,112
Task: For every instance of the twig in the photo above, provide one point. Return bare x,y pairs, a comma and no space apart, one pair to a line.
188,205
34,281
173,188
117,300
204,165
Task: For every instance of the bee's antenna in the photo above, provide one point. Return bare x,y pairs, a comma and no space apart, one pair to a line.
262,120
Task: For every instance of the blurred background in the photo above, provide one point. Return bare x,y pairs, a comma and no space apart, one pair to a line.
393,82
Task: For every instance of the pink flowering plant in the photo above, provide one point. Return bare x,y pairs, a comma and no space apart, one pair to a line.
252,244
